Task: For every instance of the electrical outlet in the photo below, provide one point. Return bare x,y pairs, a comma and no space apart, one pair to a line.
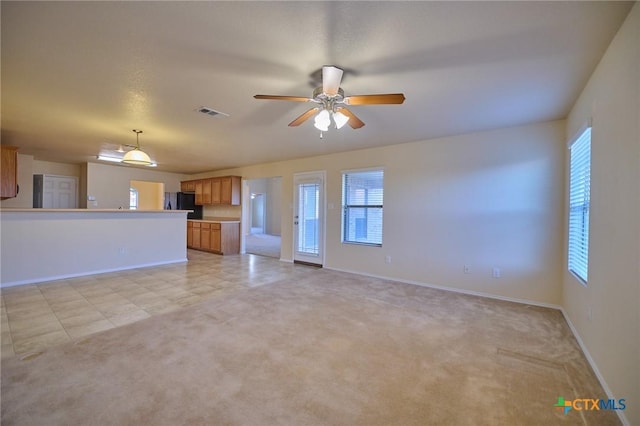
497,273
589,313
387,259
466,269
122,250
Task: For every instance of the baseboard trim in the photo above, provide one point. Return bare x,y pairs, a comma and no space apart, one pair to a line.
453,289
83,274
594,366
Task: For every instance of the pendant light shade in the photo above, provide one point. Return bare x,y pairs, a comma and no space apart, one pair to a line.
136,156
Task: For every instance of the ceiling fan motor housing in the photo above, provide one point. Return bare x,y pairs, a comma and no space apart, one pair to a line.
320,96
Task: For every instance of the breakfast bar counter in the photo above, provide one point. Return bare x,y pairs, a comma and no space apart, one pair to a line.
50,244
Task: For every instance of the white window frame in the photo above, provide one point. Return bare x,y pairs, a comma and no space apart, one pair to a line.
345,208
579,204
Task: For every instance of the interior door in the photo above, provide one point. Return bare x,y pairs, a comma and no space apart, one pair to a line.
308,218
59,192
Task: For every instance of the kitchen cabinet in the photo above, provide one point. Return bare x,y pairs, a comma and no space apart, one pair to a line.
220,237
215,191
225,190
189,233
195,240
198,186
216,238
9,172
230,190
206,191
203,192
188,186
205,237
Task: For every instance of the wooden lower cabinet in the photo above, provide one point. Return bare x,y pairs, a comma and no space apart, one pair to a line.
196,235
215,237
189,233
205,237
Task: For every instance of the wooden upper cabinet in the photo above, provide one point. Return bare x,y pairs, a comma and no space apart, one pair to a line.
217,190
198,187
9,172
230,190
188,186
206,191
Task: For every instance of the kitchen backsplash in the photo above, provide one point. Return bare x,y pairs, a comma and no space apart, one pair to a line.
222,211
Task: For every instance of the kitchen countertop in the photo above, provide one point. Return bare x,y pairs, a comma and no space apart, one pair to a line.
20,210
217,220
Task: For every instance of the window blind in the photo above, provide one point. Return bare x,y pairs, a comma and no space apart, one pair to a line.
363,194
579,202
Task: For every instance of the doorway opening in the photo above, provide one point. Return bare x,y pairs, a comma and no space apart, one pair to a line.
263,235
148,195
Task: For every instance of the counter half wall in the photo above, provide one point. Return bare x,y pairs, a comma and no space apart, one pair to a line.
50,244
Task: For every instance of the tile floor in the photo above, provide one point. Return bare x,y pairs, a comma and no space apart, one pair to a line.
37,316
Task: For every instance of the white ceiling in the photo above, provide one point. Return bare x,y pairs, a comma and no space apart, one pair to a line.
77,77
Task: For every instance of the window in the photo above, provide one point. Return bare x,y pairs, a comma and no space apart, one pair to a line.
579,200
133,198
362,194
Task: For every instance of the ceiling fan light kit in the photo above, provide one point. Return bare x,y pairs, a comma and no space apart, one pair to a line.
340,119
331,99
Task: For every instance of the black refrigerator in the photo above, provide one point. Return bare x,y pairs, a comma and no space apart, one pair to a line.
183,201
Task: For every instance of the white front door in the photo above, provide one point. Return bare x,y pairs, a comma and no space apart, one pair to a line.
308,218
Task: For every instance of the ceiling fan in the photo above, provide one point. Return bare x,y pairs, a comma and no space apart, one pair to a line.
331,101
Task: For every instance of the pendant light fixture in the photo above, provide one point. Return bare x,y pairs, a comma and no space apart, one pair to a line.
136,156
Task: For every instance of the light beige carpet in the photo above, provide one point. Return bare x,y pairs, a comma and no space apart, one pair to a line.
327,348
263,245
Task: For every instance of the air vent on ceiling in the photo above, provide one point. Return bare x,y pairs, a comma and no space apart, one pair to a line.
210,111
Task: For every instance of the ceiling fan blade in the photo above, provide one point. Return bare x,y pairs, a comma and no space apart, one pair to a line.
390,98
303,117
331,78
283,98
354,121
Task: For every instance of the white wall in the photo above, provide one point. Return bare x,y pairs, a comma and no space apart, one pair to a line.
58,169
612,337
40,245
110,184
274,206
483,199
